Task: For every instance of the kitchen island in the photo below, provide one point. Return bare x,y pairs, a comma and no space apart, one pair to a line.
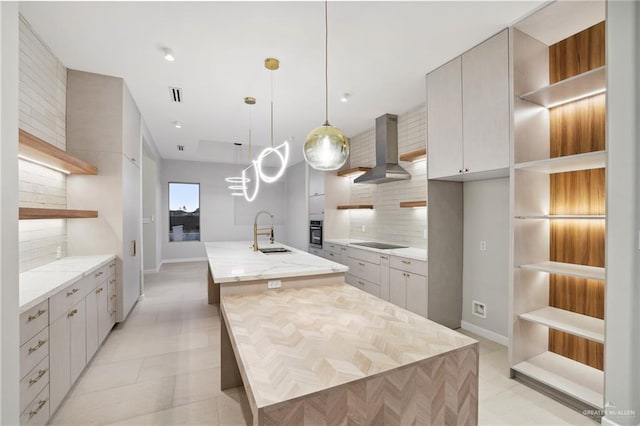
235,268
333,354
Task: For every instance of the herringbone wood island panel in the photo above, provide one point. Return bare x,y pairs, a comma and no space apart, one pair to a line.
335,355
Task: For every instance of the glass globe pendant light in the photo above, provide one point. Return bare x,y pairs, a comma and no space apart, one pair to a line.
326,147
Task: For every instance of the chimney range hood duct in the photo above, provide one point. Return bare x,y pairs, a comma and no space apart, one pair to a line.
386,168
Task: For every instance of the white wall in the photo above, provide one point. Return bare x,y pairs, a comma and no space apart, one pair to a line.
149,213
222,216
387,221
297,216
42,112
9,343
486,273
622,301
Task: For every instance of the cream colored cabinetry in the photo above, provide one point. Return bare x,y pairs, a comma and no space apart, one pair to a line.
67,355
104,128
468,112
316,251
34,365
384,277
99,306
336,253
408,286
364,270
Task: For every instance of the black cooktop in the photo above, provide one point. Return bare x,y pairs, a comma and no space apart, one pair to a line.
381,246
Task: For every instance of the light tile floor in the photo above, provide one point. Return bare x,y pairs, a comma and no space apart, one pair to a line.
162,367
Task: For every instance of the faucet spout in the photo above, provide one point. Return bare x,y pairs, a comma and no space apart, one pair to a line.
262,231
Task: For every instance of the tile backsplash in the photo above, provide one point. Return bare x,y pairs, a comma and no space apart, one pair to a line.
42,112
387,221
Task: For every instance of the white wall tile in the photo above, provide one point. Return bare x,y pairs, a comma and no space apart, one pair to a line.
387,221
42,112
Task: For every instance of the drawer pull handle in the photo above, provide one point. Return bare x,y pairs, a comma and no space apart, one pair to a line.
113,281
113,265
72,313
72,292
331,254
37,410
37,378
360,282
98,274
112,313
99,290
36,315
36,347
343,248
113,296
406,262
360,263
383,257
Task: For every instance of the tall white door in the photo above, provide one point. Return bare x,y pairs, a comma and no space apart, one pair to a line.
131,259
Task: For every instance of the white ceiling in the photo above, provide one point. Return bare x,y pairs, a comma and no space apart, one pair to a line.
379,52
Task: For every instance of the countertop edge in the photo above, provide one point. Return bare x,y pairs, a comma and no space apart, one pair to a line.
393,252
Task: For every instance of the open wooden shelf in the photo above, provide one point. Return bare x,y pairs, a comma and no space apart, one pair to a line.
408,204
418,154
355,207
569,163
34,149
582,382
354,171
564,216
568,269
569,322
581,86
26,213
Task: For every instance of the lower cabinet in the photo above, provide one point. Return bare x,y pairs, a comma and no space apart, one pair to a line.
67,351
363,284
408,290
384,277
99,318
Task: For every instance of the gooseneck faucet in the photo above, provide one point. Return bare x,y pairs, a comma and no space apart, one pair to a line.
262,231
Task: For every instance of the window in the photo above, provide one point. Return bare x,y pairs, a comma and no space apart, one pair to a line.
184,211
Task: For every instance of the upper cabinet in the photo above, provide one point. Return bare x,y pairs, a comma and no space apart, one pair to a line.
469,115
316,182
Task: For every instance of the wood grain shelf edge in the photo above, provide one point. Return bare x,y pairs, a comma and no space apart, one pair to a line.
418,154
355,207
33,148
27,213
408,204
352,171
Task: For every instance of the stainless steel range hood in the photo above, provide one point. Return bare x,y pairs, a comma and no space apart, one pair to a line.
386,168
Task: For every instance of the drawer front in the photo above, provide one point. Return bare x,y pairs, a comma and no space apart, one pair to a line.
33,321
315,251
112,285
111,268
367,256
332,256
410,265
33,383
68,297
99,275
384,260
333,247
363,285
34,351
37,413
365,270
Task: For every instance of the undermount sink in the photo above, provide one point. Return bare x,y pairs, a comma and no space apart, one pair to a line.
273,250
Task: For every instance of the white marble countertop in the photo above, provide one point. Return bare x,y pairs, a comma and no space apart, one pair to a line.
232,261
409,252
42,282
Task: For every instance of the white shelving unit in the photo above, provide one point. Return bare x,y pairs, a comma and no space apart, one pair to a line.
587,84
533,229
581,381
568,269
570,163
569,322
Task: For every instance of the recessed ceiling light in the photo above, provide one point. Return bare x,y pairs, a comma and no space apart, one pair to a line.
345,97
168,54
177,124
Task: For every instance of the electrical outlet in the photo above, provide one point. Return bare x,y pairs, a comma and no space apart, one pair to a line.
364,228
274,284
479,309
483,245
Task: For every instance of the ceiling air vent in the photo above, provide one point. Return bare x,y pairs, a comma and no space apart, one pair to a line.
175,94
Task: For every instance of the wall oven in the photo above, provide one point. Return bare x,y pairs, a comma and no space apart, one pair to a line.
315,234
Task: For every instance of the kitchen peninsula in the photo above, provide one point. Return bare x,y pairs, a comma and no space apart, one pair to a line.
315,350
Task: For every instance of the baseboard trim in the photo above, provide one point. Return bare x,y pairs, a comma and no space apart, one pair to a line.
152,271
190,259
483,332
606,422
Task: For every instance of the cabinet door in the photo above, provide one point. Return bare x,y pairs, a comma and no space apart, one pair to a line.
92,321
417,294
316,205
104,319
397,287
78,340
384,282
485,105
129,290
60,360
316,182
444,120
131,135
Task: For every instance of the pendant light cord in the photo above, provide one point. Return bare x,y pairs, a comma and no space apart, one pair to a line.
271,108
250,126
326,65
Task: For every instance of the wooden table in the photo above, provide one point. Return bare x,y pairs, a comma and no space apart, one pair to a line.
333,354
